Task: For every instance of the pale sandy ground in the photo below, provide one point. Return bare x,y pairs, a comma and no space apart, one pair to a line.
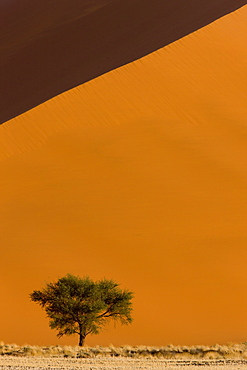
17,363
139,175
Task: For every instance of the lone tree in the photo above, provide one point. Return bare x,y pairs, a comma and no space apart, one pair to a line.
81,306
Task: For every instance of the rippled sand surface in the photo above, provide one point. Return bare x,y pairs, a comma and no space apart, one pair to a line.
17,363
53,46
140,176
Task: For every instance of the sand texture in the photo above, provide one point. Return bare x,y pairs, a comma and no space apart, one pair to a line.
138,175
17,363
48,47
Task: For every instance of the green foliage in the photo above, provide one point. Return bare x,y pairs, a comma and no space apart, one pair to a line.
81,306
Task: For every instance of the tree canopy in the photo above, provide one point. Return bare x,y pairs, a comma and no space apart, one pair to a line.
81,306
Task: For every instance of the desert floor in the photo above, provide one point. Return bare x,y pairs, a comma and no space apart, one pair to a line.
40,363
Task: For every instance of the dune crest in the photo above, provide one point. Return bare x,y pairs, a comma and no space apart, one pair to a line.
139,175
50,47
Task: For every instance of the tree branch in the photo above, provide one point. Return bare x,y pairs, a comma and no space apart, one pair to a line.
104,313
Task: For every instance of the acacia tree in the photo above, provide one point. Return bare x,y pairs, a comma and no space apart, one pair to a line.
81,306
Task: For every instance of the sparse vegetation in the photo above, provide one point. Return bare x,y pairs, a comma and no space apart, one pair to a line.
216,352
81,306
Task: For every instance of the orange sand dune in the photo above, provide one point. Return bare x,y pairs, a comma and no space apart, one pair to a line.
139,175
48,47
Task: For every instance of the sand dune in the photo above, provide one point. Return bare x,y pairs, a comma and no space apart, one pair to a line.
48,47
138,175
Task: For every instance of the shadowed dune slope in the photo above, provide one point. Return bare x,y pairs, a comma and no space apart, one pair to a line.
48,47
138,175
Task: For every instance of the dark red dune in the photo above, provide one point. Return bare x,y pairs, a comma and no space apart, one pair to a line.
48,47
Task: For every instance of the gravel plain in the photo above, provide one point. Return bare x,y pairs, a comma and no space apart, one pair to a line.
42,363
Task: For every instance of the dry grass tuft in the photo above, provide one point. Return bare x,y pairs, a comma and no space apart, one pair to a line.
230,351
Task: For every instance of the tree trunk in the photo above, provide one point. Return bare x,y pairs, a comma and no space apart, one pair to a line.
82,340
